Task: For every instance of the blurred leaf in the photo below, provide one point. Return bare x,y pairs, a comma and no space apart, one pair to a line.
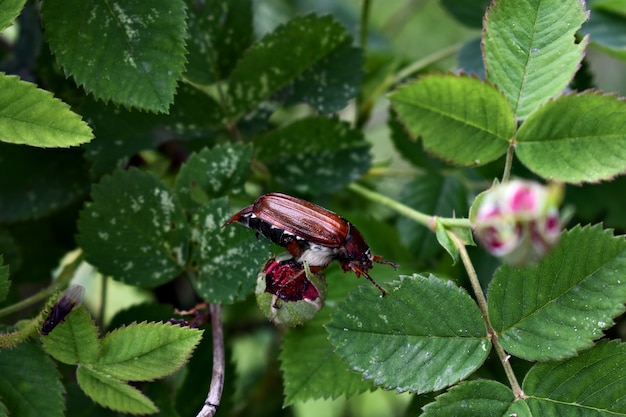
219,33
332,82
113,393
468,12
138,45
280,58
74,341
530,49
5,283
558,307
315,153
411,149
425,335
592,205
565,141
213,173
228,258
611,6
36,182
592,383
9,11
460,119
30,385
146,351
607,28
470,58
472,398
32,116
122,133
311,369
434,194
134,230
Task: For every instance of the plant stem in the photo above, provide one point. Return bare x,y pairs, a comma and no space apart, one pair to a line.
214,396
62,281
482,304
363,32
508,164
424,62
421,218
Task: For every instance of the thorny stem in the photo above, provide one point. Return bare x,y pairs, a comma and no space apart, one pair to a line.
62,281
482,304
214,395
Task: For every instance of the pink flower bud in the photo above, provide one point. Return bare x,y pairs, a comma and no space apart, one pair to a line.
518,221
287,294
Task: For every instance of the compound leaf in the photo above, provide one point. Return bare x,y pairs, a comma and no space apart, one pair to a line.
140,46
530,49
146,351
74,341
316,153
135,229
591,384
575,138
558,307
460,119
426,334
113,393
32,116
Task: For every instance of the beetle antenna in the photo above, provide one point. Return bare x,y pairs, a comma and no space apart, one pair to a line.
379,260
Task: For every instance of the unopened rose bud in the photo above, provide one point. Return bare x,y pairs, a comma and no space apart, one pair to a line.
287,294
518,221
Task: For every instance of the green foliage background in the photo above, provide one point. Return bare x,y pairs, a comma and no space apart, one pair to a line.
132,131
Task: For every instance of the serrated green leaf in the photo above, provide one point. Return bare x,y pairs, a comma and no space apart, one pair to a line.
575,138
460,119
530,49
146,351
31,116
591,384
219,32
135,229
37,182
30,385
434,194
558,307
5,283
280,58
9,10
315,153
74,341
425,335
311,370
213,173
138,45
472,398
227,258
332,82
113,393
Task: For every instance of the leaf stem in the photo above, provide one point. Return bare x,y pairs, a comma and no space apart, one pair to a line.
214,395
424,62
482,304
419,217
62,281
508,164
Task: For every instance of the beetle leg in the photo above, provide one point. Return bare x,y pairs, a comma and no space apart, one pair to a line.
358,271
294,248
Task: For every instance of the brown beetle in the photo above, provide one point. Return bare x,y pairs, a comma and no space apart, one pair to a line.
310,233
